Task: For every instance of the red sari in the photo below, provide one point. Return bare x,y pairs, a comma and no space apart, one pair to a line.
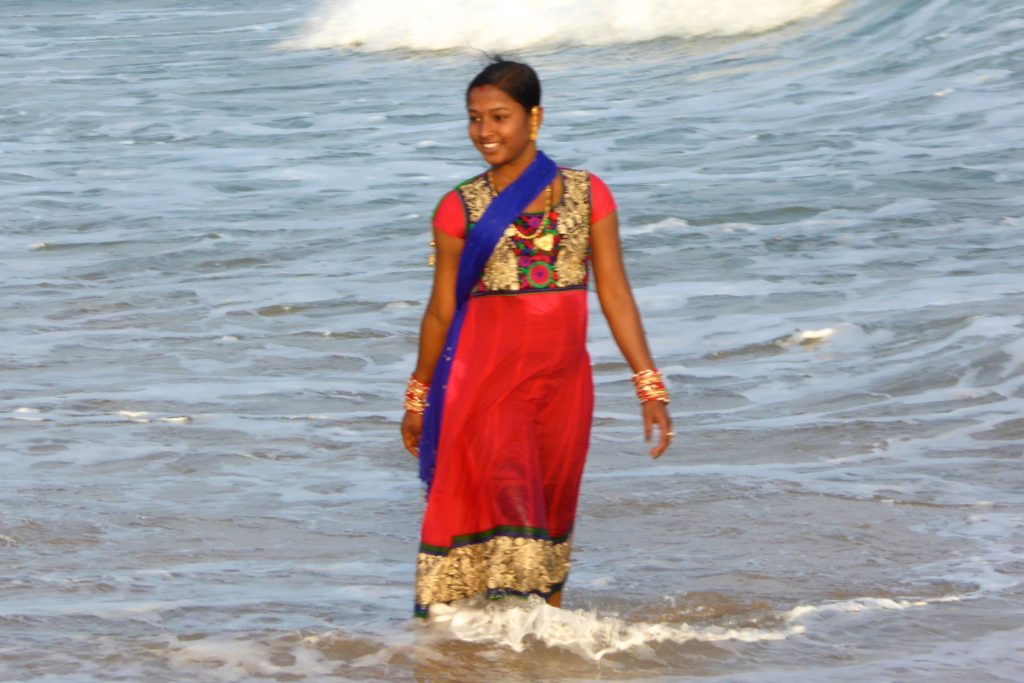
518,407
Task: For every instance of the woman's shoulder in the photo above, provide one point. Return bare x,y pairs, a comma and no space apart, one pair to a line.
584,175
452,213
473,185
472,181
580,171
454,194
602,202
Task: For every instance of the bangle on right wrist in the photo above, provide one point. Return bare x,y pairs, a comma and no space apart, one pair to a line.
416,396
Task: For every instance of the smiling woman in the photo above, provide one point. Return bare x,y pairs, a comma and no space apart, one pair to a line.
496,114
500,404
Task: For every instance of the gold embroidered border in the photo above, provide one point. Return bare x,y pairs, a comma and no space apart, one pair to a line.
501,273
503,563
502,269
573,228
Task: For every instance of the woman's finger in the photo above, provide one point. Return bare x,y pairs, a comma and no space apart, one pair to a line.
413,443
407,441
663,442
412,427
665,433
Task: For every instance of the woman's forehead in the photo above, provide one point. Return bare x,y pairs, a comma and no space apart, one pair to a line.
489,97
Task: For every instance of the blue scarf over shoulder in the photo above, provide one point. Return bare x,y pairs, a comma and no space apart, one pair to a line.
480,243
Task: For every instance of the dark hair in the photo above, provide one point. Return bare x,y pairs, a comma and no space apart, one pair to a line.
518,80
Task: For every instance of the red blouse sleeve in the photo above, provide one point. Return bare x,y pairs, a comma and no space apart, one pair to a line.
449,217
601,201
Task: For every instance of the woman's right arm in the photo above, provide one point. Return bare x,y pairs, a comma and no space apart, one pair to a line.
434,328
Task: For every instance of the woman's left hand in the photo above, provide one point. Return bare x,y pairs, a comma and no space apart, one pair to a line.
412,430
656,413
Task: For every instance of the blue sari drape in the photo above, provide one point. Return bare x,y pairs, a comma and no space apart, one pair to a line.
480,243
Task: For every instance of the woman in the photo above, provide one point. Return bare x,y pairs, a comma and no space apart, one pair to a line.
500,404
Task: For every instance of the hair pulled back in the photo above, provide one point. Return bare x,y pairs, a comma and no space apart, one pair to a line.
517,80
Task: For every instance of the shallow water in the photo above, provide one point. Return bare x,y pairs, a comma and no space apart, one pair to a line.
213,263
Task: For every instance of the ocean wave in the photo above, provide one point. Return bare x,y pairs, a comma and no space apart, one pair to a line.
487,25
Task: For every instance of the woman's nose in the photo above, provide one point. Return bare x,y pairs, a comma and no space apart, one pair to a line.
485,128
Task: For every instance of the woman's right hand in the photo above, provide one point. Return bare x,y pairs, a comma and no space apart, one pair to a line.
412,429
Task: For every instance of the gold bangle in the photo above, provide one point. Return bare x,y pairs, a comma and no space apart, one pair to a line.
650,386
416,396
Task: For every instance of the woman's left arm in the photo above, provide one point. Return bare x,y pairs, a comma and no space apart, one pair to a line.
619,307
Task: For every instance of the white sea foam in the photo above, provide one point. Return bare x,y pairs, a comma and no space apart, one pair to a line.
804,613
484,24
222,659
585,633
26,414
135,415
806,337
591,636
515,624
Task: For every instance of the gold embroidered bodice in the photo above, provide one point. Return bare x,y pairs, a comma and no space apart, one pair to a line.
530,256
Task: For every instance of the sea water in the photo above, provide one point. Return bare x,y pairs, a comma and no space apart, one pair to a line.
214,220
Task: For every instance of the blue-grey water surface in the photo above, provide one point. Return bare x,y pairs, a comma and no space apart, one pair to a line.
213,264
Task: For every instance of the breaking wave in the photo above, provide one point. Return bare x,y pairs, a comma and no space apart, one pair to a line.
488,25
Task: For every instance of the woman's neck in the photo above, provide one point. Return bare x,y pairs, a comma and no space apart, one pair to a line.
504,175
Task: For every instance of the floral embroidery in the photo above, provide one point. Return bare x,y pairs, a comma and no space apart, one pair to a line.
541,275
524,259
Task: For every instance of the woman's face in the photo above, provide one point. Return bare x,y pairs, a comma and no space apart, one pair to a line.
498,125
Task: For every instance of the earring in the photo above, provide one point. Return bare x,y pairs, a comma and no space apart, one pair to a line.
534,123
